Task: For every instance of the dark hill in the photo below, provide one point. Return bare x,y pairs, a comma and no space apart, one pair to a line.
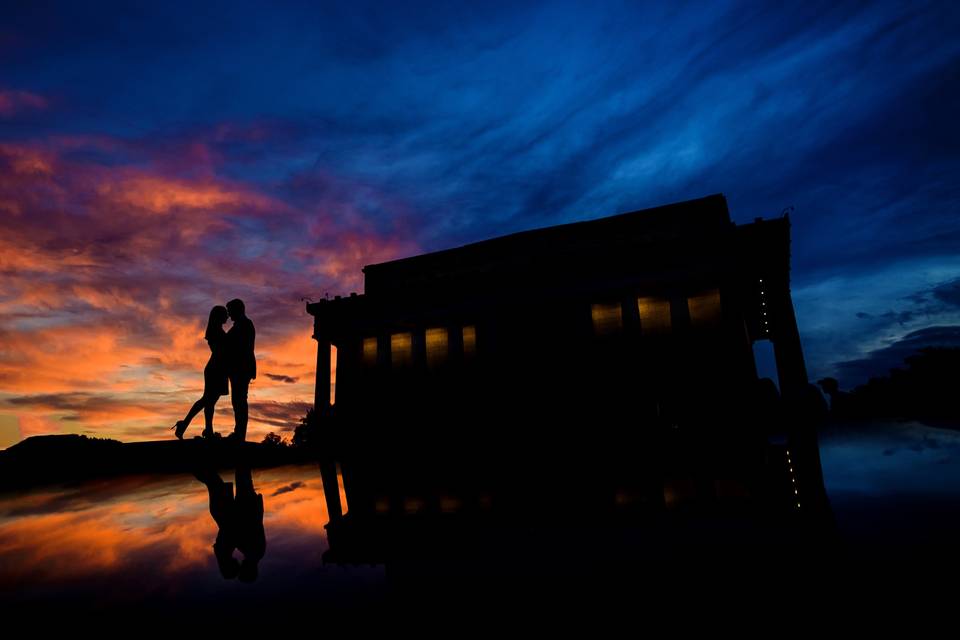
68,458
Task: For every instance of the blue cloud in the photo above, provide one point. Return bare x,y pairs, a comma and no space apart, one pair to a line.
880,361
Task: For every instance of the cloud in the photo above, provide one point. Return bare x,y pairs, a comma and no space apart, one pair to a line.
281,378
847,318
66,401
880,361
13,102
948,293
285,415
293,486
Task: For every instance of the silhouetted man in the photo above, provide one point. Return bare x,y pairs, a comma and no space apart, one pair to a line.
242,364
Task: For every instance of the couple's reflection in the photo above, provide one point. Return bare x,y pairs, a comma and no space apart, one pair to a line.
240,519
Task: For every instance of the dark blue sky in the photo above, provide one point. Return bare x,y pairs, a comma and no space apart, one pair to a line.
302,141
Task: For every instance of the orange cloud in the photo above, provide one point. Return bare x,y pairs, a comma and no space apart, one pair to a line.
161,195
27,161
65,358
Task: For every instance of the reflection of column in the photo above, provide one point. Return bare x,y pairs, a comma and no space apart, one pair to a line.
331,488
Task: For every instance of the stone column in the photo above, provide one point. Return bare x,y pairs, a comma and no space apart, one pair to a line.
321,402
321,398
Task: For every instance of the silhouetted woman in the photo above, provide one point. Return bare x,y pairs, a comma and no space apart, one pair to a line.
214,375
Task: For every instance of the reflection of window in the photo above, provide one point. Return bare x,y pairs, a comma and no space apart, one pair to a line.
705,309
437,343
607,318
469,341
654,315
370,352
401,349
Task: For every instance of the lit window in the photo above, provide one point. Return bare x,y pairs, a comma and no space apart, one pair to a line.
369,352
607,318
469,341
705,309
437,343
401,349
654,315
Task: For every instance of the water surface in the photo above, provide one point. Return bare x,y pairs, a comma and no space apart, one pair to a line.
149,541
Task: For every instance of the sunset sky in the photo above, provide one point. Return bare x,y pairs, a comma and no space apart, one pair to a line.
158,160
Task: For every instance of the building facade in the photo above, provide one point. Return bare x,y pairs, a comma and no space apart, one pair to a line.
616,354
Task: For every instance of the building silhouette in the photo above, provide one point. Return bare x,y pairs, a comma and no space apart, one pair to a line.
603,366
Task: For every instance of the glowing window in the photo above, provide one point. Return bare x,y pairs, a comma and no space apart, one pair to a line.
469,341
705,309
654,315
437,343
370,352
401,349
607,318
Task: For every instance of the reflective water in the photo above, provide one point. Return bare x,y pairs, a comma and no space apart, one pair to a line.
150,540
895,484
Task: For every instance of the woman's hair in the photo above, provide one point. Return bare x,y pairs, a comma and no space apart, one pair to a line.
218,315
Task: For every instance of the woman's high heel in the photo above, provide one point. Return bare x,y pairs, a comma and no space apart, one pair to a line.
179,428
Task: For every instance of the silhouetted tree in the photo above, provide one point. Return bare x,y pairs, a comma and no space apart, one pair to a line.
924,390
274,440
304,434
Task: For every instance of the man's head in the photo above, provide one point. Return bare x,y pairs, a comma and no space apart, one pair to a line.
236,309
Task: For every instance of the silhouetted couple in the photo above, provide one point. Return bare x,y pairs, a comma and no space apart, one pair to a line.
231,358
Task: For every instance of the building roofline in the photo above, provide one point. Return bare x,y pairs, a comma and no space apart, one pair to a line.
652,215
